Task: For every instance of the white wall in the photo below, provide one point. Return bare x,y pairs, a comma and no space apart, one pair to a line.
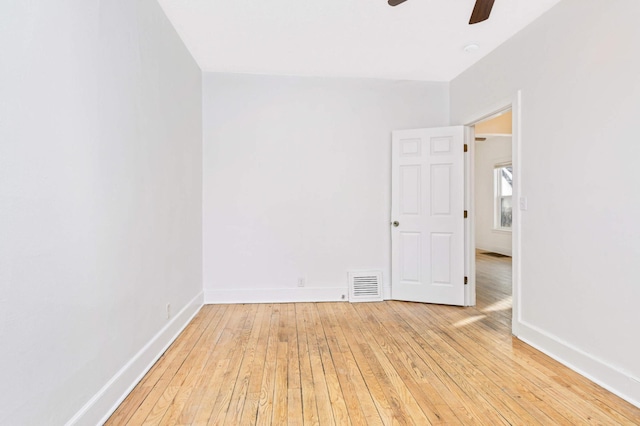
495,150
578,70
100,202
297,180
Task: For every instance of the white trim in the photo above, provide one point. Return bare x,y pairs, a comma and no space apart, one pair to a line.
470,222
498,107
516,226
276,295
503,163
495,249
501,230
102,405
386,292
492,135
618,382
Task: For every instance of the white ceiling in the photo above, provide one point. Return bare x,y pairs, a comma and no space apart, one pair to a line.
417,40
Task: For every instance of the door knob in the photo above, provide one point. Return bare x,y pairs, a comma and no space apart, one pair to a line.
395,223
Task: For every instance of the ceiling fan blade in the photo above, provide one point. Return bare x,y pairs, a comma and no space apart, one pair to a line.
395,2
481,11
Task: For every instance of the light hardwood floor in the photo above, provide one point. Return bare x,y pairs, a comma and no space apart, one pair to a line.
370,363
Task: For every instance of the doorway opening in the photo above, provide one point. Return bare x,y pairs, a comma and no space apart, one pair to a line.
493,205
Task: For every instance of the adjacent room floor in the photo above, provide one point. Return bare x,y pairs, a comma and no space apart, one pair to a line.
369,363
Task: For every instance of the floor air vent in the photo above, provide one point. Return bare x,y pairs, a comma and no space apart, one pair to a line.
365,286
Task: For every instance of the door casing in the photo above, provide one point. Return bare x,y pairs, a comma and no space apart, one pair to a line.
515,104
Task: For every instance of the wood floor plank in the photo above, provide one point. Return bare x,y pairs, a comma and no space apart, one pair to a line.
342,358
403,405
193,402
477,381
265,403
366,364
337,401
240,339
250,408
224,351
309,404
508,374
509,385
249,358
199,359
320,386
294,388
159,379
476,407
230,381
213,368
413,371
465,406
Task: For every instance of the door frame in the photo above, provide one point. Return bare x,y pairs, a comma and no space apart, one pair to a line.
515,104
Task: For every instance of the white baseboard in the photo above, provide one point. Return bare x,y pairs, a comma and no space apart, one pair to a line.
495,249
613,379
276,295
386,291
104,403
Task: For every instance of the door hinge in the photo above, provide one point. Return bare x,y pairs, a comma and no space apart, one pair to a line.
465,147
466,214
466,280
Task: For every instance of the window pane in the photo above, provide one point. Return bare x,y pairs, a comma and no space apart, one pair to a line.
506,181
503,184
506,212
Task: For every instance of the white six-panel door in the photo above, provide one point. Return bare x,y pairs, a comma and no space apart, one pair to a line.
427,215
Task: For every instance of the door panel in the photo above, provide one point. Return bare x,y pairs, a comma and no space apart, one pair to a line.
427,246
410,190
410,254
440,190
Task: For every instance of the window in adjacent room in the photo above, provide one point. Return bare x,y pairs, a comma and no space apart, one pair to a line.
503,182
